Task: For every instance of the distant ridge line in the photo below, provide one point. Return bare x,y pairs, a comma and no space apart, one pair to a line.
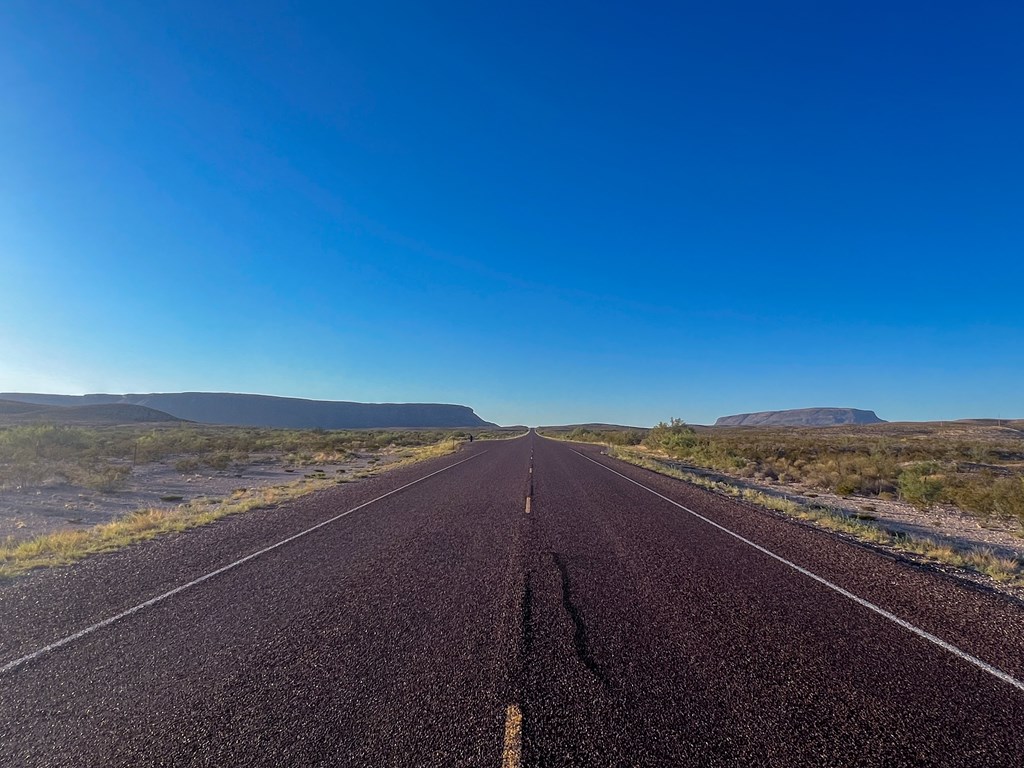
238,409
13,412
801,417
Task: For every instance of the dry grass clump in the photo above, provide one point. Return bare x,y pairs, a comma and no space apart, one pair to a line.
68,546
982,559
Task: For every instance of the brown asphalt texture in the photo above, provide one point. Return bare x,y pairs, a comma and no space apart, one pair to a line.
629,633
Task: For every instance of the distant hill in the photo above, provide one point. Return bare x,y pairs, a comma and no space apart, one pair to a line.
800,417
12,408
268,411
120,413
1015,423
593,426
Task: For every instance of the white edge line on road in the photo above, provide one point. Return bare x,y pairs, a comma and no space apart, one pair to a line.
153,601
994,671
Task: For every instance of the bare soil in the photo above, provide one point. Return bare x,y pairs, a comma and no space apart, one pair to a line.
32,511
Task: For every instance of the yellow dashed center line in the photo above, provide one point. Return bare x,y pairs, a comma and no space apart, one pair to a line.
512,754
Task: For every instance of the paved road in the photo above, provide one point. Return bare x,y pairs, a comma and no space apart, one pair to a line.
619,619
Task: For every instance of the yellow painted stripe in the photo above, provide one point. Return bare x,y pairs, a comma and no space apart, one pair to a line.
512,754
527,505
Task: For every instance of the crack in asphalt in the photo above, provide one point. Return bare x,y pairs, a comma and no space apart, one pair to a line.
579,637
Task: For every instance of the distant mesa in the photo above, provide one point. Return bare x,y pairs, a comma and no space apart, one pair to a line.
12,412
801,417
268,411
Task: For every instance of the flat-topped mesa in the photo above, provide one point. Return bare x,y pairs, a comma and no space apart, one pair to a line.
268,411
801,417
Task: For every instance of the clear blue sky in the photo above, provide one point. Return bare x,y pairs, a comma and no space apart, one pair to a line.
549,212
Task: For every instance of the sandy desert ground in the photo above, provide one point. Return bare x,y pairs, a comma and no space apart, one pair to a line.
58,504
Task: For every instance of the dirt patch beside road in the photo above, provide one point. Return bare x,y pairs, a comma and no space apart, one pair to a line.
57,505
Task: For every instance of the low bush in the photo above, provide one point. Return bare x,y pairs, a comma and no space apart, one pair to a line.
219,461
187,465
921,484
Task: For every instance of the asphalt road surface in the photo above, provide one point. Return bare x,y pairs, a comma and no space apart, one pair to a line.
520,603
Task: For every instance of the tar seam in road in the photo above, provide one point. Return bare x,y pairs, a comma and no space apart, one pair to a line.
994,671
159,598
579,635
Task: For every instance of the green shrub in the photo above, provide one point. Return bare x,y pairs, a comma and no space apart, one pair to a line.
105,478
988,495
675,437
921,484
848,485
219,461
186,465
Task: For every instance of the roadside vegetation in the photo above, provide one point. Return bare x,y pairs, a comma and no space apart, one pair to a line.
103,458
976,468
982,559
